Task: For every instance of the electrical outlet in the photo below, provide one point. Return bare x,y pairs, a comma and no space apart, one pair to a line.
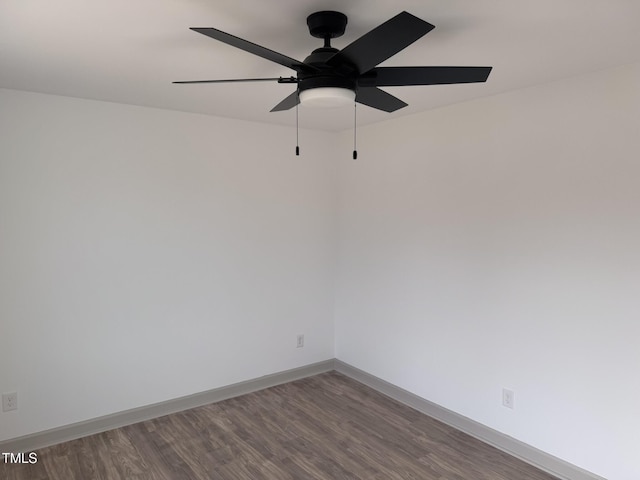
9,401
300,343
507,398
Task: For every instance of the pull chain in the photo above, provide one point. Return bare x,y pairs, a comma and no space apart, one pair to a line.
355,110
297,139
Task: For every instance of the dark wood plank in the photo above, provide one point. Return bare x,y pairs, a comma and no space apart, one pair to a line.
323,427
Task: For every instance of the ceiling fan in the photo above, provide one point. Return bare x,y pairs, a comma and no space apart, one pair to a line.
332,77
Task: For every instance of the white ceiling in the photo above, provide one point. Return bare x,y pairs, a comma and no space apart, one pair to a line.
129,51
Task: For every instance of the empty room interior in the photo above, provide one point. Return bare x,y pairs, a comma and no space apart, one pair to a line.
445,269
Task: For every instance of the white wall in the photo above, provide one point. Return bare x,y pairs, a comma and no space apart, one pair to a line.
148,254
497,243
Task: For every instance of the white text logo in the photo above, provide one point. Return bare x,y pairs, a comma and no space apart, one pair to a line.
20,457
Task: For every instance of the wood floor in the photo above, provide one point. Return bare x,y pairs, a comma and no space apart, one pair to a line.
323,427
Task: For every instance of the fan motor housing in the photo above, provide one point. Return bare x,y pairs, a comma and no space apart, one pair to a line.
320,55
320,80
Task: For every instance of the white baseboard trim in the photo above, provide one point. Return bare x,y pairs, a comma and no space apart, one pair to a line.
544,461
35,441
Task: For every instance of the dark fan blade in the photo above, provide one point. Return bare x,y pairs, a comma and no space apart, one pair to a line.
233,80
381,43
400,76
289,102
255,49
376,98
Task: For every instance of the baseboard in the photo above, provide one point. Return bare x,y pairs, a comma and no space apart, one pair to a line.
74,431
548,463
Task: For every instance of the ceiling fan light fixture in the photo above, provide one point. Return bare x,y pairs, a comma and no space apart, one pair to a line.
327,97
329,77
